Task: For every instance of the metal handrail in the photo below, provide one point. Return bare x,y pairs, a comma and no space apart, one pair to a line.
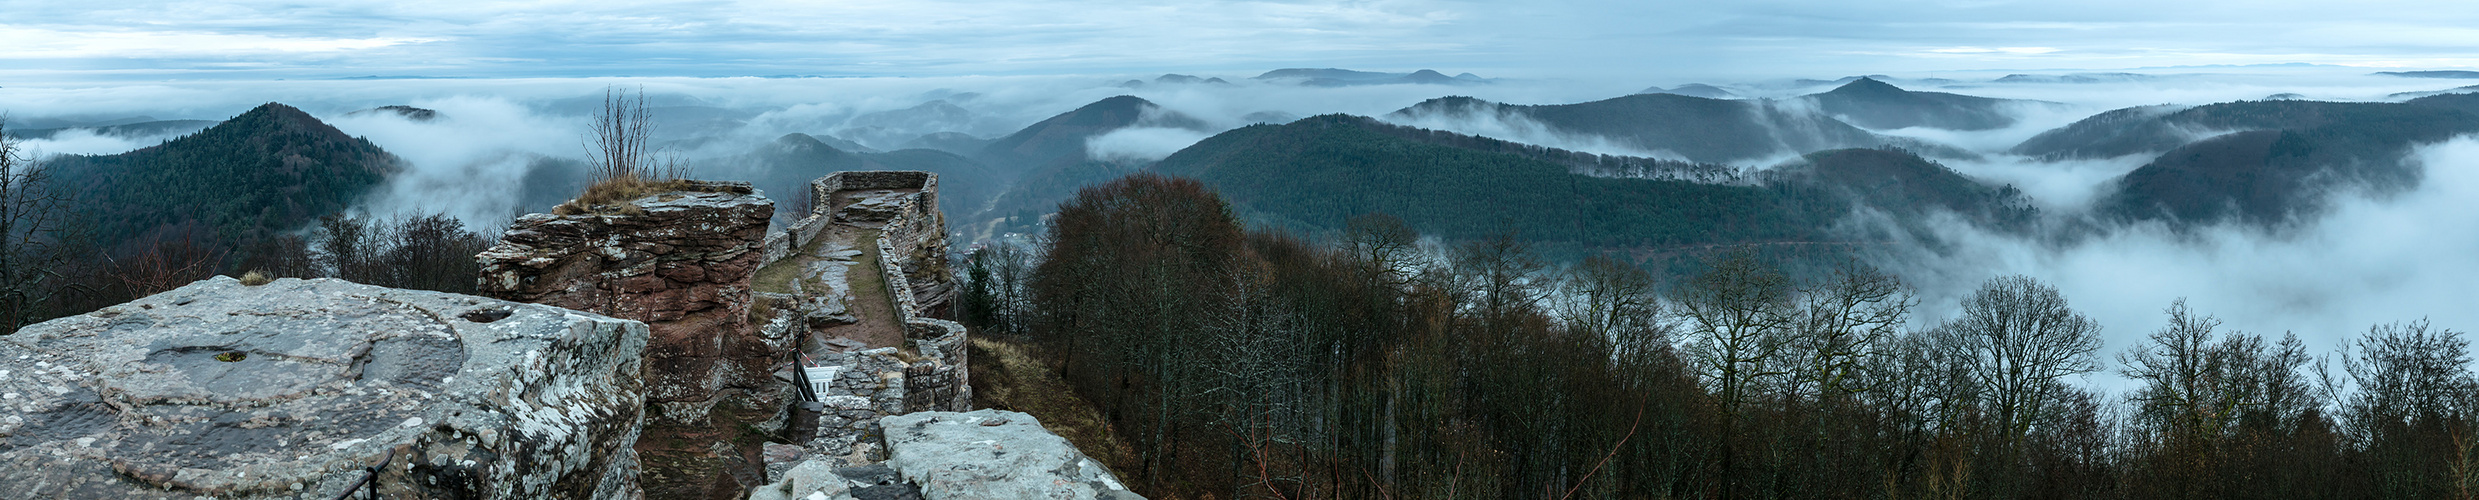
370,478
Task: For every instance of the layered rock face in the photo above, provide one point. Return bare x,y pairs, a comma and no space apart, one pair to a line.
683,266
291,389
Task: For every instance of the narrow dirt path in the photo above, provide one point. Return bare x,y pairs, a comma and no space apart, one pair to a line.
871,304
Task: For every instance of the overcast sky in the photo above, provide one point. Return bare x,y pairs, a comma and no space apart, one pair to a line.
1586,38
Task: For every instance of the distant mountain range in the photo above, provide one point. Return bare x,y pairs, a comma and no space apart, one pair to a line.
2431,74
1048,161
125,130
1698,129
1314,173
1692,90
2075,78
1874,104
1175,79
407,112
784,168
1331,77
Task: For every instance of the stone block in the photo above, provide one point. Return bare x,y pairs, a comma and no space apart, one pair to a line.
291,389
992,454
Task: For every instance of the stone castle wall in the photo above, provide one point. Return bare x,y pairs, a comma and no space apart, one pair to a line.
929,373
682,264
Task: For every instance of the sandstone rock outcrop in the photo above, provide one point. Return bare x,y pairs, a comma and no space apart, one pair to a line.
993,454
291,389
979,455
682,264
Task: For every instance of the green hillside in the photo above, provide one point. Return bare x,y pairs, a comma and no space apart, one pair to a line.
1319,171
273,168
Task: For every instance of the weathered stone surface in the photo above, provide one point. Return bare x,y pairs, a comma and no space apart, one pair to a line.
683,265
815,480
290,389
992,454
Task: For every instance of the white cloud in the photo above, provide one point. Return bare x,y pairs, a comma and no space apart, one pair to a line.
1142,143
1994,50
77,43
2368,261
967,37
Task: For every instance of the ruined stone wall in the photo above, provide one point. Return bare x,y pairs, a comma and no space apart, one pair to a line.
939,383
682,264
912,226
929,373
912,246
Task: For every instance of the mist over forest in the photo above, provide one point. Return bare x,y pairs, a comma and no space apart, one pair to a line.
2145,283
497,147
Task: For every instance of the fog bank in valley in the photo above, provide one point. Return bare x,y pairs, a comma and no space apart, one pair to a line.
2367,260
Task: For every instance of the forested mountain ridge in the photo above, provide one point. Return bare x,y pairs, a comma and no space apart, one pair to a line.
1697,128
1061,138
132,130
273,168
1870,103
1317,172
2261,162
1046,162
1903,185
2155,129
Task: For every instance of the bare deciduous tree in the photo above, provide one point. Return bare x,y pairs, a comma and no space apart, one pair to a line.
1502,276
1735,317
31,222
2407,371
1604,298
1385,244
623,129
1848,318
2016,337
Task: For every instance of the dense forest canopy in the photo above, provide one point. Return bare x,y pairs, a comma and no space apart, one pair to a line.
1242,364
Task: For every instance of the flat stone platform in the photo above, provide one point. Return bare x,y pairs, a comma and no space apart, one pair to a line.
291,389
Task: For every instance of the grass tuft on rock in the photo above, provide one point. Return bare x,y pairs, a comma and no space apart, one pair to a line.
255,278
613,195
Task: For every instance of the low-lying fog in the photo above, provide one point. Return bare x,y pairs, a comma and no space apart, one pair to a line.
2368,261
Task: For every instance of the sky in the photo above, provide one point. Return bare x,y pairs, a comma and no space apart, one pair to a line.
187,40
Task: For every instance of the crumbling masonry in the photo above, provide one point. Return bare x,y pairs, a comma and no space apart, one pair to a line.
732,310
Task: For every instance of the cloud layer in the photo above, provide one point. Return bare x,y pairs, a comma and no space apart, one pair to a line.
1677,38
2368,261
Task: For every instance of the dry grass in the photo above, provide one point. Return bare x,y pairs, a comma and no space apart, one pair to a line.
612,196
1011,376
255,278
